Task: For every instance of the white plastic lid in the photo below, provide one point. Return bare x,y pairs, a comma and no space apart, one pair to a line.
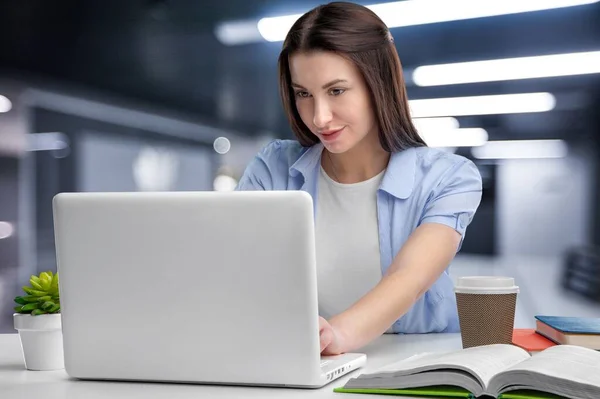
486,285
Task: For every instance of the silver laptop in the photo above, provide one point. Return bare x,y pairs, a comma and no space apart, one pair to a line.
198,287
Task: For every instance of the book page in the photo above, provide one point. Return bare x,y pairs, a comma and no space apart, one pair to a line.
568,362
405,364
483,362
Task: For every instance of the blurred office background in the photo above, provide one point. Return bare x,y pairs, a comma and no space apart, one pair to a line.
180,94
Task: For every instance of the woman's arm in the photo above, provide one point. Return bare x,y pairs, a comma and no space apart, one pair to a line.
425,255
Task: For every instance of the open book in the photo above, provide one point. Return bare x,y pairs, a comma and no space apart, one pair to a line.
500,371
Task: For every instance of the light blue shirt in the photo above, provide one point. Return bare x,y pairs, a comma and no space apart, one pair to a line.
420,185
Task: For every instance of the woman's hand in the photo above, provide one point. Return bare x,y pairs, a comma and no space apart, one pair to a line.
332,338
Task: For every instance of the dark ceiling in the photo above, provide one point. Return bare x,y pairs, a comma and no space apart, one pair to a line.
165,53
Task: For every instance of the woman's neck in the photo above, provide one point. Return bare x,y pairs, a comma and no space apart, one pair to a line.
358,164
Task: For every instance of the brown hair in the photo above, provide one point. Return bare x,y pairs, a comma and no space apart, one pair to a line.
358,34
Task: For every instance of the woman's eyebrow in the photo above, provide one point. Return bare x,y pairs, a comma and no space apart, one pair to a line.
326,85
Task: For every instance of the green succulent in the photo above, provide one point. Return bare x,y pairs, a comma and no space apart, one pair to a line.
42,295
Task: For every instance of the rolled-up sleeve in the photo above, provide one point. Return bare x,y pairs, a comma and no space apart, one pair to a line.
455,199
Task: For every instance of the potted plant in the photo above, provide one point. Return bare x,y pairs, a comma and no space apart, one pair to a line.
38,321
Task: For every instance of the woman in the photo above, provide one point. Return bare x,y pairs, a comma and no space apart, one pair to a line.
390,213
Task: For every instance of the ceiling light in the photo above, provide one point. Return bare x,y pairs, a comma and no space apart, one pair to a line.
508,69
483,105
445,123
5,104
467,137
6,230
419,12
238,32
521,149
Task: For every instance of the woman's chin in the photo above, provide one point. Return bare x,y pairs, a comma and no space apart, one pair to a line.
336,147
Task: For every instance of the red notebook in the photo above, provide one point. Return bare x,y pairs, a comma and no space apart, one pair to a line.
531,341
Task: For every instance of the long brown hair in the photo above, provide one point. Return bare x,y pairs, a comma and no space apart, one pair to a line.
358,34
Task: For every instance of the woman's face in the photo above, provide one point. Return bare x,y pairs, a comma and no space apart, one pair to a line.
332,99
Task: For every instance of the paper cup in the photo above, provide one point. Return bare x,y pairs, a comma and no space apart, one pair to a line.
486,309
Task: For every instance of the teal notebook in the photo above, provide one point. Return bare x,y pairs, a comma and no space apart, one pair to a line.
499,371
572,325
581,331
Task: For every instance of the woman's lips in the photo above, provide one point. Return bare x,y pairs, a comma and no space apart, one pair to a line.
331,135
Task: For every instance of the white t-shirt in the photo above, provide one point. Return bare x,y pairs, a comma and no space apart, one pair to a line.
348,260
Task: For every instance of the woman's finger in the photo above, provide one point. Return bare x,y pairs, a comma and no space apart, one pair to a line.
326,337
322,323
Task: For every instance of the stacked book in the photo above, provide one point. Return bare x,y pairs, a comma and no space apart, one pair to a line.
559,330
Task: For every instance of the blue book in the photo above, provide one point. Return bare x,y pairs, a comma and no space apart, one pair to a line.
581,331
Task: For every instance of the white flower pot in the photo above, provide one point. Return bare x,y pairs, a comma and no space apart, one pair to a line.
41,340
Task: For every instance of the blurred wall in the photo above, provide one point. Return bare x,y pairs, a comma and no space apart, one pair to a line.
12,123
12,145
103,145
9,246
545,206
108,163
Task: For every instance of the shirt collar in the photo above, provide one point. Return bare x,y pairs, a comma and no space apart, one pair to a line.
308,161
398,180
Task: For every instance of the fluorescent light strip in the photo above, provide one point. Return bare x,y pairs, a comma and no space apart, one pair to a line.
483,105
274,29
238,32
508,69
419,12
445,123
466,137
521,149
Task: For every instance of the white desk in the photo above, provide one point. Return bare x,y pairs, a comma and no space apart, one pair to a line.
18,383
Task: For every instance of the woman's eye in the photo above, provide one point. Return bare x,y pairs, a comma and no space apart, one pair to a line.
337,92
302,94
